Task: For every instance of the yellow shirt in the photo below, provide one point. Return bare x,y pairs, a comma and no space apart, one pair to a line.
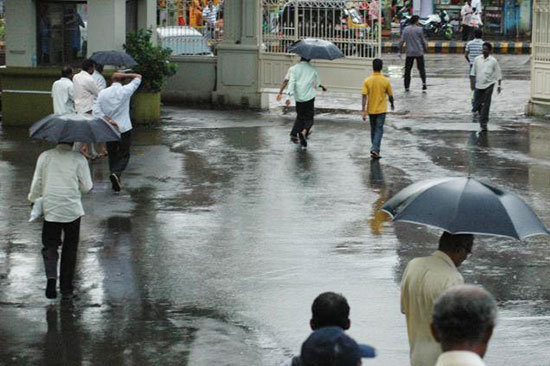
423,280
376,87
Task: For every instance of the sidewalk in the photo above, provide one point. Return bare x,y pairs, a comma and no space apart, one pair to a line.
499,47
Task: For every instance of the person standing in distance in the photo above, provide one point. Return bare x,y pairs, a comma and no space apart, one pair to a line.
414,40
114,104
62,93
486,73
423,280
376,90
60,177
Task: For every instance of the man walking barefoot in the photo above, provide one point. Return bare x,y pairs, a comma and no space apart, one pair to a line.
60,177
413,38
375,89
114,103
486,72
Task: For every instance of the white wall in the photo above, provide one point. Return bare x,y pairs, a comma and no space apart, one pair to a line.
20,29
106,25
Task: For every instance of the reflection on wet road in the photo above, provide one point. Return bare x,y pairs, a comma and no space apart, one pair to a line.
225,233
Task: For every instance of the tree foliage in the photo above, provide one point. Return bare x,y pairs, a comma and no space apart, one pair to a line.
152,60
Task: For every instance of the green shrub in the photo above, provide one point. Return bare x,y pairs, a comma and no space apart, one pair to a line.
152,60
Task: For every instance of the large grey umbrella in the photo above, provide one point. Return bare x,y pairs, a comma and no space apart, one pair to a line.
115,58
465,206
73,128
313,48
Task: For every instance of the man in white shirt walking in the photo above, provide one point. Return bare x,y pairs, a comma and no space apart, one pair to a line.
423,280
60,177
114,103
62,93
85,94
303,82
463,321
486,72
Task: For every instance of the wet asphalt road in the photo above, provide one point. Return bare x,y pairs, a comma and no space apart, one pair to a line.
224,234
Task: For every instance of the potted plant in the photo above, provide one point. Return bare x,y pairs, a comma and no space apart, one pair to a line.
155,68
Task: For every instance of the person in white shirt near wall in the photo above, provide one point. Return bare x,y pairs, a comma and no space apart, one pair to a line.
101,84
463,320
62,93
85,94
60,177
114,104
486,72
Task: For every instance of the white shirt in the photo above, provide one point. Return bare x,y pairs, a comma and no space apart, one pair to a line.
423,280
85,92
60,177
459,358
466,13
99,80
114,102
477,5
62,95
486,70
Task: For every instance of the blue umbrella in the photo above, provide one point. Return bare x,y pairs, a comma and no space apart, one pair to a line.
73,128
313,48
465,206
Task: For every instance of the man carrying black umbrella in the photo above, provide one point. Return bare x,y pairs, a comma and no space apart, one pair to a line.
423,280
302,84
60,177
114,104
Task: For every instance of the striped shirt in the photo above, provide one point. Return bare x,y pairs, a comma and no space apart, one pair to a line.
474,49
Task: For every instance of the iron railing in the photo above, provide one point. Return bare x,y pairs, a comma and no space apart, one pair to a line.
354,26
541,31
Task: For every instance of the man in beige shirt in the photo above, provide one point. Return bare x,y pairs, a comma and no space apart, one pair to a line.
423,280
85,92
60,177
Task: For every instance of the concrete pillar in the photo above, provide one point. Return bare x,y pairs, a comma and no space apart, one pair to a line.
147,16
238,56
539,104
106,25
20,32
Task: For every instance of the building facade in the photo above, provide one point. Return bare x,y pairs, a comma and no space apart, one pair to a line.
539,103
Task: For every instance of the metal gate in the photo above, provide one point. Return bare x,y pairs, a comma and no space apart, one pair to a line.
540,78
354,26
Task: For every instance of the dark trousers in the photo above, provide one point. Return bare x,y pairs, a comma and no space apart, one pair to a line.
466,32
482,104
52,232
119,153
408,66
304,116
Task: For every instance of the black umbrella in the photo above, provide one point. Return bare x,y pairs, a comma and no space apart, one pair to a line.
115,58
73,128
465,206
313,48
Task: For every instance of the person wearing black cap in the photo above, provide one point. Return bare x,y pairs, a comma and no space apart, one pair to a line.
330,346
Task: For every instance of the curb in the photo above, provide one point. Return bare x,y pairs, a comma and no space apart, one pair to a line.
512,48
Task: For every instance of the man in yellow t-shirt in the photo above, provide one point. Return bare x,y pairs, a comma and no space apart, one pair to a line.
375,89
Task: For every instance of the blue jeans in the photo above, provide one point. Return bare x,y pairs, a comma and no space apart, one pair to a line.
376,130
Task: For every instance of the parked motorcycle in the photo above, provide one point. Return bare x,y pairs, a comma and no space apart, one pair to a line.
433,25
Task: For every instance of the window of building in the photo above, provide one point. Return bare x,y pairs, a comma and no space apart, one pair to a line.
61,32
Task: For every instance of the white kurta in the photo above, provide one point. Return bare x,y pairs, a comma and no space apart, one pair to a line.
62,96
423,280
459,358
85,92
60,177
